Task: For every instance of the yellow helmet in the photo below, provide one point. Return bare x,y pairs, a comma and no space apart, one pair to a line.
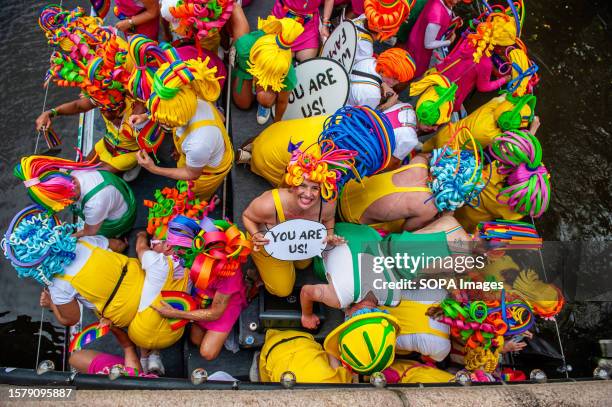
365,342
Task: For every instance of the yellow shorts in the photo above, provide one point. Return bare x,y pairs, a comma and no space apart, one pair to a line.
277,275
205,186
121,162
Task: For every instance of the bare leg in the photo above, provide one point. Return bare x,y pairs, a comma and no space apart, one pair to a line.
196,334
244,99
212,344
80,360
306,54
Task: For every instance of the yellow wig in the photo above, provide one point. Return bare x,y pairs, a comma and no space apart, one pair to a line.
498,29
545,299
520,58
177,86
524,117
436,102
270,57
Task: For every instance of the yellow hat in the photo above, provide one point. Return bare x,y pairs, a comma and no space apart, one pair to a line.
365,342
496,267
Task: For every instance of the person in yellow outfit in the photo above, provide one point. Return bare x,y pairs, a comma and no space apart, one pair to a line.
85,271
411,371
311,195
299,353
518,182
502,113
181,99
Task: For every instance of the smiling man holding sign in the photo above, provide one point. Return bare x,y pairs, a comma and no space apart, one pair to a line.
313,181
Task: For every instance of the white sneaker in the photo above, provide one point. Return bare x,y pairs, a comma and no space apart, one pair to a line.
254,370
155,364
263,114
144,363
130,175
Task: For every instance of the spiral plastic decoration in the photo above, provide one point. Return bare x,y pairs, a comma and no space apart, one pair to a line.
210,251
497,29
37,245
386,18
365,131
456,177
546,300
198,18
329,169
147,56
170,202
519,154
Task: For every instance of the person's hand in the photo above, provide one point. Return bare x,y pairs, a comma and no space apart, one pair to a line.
511,346
232,56
334,240
137,119
507,78
535,125
310,321
166,310
144,160
528,334
104,322
45,299
43,122
124,25
142,235
387,90
259,240
324,32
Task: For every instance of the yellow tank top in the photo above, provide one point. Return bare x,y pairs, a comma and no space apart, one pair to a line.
99,278
481,123
298,352
228,155
357,197
489,208
412,318
411,371
124,136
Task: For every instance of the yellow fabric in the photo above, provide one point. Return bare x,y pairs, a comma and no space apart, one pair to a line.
280,213
97,279
411,371
303,356
426,87
489,208
206,185
121,162
518,57
270,156
497,266
412,318
212,41
482,123
149,329
357,197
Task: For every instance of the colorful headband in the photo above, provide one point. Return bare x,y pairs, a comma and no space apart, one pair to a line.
327,168
198,18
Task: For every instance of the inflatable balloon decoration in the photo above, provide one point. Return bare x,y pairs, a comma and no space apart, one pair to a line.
101,7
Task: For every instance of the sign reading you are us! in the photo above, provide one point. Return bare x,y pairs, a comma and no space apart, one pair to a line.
296,239
341,45
322,88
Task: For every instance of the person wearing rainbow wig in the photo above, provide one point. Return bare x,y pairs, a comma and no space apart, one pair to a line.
518,182
202,22
104,201
179,96
428,32
377,21
470,64
84,271
500,114
264,67
372,79
314,176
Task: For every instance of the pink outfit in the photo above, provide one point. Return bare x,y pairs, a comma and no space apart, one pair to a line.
233,286
190,52
459,67
356,5
130,8
306,12
102,363
434,12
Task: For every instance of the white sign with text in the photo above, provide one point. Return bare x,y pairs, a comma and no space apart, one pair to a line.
296,239
322,89
341,45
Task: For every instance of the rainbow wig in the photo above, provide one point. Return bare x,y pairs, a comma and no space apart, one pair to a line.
545,299
270,57
59,24
386,18
38,246
435,105
197,19
48,181
497,29
519,155
456,177
365,131
329,168
396,63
